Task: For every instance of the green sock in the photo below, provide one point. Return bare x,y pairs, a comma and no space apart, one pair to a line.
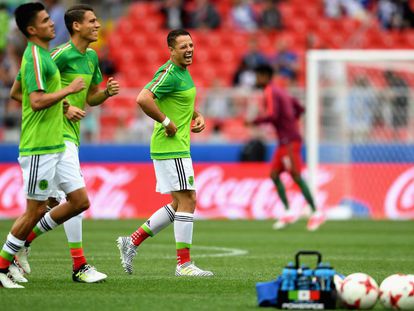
306,193
281,191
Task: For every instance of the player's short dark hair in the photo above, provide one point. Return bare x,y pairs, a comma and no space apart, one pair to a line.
264,69
76,13
25,15
174,34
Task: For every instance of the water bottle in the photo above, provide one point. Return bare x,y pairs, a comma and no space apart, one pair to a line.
304,278
324,272
288,277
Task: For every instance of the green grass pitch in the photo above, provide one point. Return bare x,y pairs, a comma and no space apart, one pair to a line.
240,253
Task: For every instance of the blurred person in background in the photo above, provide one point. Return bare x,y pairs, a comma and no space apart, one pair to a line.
285,61
217,102
352,8
169,100
283,112
271,18
74,60
254,57
361,104
254,150
388,14
244,76
398,98
243,16
57,14
174,13
204,15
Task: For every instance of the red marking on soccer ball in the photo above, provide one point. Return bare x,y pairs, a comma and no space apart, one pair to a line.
394,301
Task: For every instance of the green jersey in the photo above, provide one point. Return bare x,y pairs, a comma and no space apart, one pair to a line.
175,94
42,131
73,64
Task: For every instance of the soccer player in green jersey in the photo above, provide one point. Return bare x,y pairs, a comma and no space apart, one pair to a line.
75,59
41,146
169,100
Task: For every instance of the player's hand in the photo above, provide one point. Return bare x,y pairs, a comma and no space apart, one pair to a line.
77,85
112,87
65,105
75,114
198,124
170,129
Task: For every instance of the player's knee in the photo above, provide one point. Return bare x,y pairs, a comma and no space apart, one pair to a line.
192,198
189,200
52,202
82,205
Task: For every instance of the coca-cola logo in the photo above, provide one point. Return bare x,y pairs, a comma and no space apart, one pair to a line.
106,190
399,202
244,197
12,198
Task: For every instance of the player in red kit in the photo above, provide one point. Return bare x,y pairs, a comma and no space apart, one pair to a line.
283,112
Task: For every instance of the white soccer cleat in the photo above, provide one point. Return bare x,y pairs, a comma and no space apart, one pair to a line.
190,269
315,221
17,273
7,281
128,251
88,274
280,224
23,259
283,221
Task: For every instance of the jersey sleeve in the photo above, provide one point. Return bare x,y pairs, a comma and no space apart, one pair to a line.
19,76
59,58
97,75
163,83
298,108
270,113
35,72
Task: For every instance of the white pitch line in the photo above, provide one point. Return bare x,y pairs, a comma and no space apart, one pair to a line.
220,252
227,251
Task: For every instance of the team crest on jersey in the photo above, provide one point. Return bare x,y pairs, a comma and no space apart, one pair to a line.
191,180
43,184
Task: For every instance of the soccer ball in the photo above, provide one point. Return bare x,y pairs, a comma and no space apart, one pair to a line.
359,291
397,292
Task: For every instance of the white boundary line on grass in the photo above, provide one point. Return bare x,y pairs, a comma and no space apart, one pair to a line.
220,252
226,251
